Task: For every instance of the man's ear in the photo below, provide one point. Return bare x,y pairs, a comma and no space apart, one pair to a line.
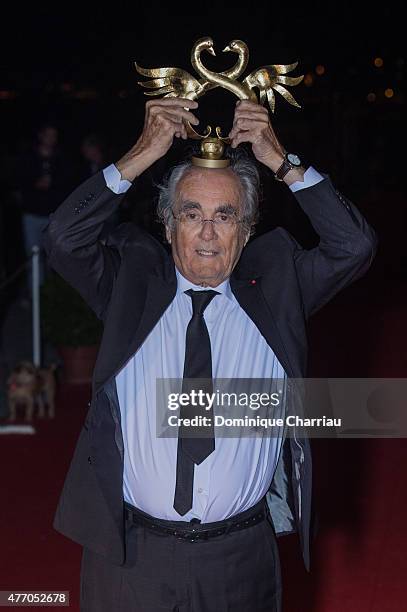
246,239
168,234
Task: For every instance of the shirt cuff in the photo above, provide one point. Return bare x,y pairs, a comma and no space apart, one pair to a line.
114,180
311,177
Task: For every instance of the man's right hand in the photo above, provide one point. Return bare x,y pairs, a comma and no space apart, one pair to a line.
163,120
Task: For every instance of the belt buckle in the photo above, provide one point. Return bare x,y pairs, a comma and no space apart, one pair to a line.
189,536
193,532
201,536
182,535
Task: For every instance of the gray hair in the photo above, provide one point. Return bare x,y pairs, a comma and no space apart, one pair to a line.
245,170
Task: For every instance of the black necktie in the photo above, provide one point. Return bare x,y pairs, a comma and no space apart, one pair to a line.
198,365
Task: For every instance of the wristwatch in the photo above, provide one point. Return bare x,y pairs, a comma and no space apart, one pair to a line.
291,160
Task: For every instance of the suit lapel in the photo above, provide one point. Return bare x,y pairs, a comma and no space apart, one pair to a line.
161,291
154,295
250,297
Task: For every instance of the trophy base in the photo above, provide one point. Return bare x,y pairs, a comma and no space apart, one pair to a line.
210,163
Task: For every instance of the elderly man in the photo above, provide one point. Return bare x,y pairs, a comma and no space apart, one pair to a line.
190,524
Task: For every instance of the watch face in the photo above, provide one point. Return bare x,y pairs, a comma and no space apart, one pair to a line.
294,159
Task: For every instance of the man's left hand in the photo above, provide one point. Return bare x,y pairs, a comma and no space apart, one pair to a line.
252,124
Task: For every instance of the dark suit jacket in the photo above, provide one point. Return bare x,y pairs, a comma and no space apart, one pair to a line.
130,280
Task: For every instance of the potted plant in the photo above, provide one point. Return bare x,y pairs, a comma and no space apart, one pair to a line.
71,326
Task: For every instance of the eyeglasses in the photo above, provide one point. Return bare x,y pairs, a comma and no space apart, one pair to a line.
193,218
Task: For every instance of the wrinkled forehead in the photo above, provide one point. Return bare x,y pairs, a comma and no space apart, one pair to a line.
209,188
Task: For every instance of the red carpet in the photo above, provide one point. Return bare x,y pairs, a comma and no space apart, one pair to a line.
360,563
34,556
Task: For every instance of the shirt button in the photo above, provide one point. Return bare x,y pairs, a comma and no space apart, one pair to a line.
200,490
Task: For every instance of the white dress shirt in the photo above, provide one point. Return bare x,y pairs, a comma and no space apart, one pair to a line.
240,470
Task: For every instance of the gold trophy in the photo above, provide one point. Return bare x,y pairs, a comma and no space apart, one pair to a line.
178,83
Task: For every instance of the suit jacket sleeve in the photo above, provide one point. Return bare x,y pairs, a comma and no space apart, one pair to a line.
71,241
346,249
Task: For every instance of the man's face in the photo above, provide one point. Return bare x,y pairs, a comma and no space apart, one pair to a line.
207,253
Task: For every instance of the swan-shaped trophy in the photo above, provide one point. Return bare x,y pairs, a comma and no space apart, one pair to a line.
176,82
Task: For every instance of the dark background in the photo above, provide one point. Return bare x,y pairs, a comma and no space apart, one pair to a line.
75,66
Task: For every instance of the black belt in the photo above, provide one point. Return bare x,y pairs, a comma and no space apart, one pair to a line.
195,531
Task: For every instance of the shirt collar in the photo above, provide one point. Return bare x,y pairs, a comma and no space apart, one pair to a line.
183,284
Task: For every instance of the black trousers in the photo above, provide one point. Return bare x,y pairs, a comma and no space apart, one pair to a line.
237,572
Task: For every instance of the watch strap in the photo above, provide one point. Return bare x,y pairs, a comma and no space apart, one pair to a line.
287,165
283,170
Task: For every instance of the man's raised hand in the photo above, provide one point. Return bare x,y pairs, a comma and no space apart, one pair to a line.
164,119
251,123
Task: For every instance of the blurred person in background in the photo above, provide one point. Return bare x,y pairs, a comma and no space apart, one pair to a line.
93,159
93,156
43,180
